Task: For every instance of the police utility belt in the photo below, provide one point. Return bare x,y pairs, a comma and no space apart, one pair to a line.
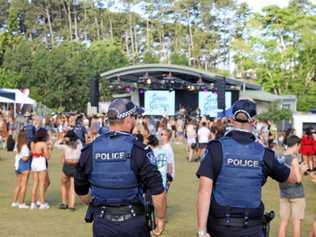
119,213
244,222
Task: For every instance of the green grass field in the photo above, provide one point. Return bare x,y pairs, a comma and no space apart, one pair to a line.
181,204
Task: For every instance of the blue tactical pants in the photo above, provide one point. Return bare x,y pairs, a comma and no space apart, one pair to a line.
134,227
228,231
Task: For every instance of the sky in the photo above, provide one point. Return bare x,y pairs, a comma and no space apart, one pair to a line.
257,5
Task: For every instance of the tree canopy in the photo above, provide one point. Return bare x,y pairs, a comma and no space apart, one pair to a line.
56,47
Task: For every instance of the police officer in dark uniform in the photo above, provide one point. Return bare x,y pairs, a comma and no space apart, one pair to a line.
232,172
118,170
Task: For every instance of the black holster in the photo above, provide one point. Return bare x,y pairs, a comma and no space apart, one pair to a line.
89,217
150,215
267,218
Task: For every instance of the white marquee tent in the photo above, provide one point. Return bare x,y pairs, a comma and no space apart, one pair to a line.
15,97
18,97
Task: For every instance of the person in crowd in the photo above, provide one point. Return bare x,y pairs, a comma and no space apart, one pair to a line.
150,125
162,124
37,124
203,138
79,129
29,129
307,148
161,158
217,130
288,132
292,201
231,175
22,170
61,125
314,144
3,131
114,167
191,139
172,125
40,155
71,147
11,125
313,230
165,138
180,129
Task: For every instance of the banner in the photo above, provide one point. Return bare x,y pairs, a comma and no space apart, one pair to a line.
208,103
159,102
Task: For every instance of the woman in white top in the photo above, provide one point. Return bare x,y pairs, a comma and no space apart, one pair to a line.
22,170
71,147
203,137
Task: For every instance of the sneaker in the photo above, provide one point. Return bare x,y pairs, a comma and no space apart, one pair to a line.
23,206
38,203
43,206
33,206
63,206
72,209
14,204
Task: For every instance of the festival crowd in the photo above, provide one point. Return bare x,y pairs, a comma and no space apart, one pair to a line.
33,137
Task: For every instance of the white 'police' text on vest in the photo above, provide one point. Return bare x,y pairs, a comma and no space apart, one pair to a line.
239,163
112,156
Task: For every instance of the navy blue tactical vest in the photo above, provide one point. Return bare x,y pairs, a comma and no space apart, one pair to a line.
241,177
112,178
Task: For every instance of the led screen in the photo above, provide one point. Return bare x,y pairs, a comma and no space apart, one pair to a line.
159,102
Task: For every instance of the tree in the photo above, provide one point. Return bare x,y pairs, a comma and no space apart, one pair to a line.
9,79
282,52
105,56
19,60
179,59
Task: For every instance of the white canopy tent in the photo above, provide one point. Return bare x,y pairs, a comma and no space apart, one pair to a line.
5,100
15,96
20,98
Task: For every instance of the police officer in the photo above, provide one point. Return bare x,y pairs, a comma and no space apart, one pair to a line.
232,172
118,170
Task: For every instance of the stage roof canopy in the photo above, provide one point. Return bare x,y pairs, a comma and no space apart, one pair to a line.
165,72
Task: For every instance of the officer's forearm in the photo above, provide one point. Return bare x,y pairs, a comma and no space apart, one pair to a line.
204,201
159,202
85,199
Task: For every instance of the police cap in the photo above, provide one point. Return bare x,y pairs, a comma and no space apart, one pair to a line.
246,107
122,108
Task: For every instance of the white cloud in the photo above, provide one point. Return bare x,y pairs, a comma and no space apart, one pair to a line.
257,5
